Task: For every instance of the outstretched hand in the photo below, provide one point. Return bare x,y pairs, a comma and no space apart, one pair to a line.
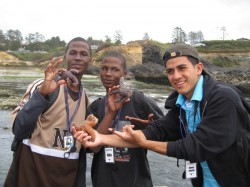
49,85
132,136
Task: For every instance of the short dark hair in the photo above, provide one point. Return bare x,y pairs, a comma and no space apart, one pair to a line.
118,55
193,60
78,39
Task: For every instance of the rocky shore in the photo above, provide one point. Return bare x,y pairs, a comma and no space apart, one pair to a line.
154,73
151,69
144,64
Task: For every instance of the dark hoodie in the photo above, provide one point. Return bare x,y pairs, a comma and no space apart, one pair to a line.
222,137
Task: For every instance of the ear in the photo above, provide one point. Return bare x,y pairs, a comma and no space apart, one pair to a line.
199,67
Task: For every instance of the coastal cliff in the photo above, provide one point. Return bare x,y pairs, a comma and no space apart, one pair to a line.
144,63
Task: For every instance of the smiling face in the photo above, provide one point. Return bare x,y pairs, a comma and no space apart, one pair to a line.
183,75
112,69
77,57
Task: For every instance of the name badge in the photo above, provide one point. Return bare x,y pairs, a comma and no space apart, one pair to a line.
68,142
191,170
109,155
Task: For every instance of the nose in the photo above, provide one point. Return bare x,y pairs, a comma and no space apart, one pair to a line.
176,75
78,56
109,72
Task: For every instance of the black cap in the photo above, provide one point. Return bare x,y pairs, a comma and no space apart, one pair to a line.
180,49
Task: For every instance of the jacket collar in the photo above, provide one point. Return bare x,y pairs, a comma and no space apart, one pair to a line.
208,85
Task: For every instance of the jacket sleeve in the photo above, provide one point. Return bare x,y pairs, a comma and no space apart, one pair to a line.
217,131
164,129
26,118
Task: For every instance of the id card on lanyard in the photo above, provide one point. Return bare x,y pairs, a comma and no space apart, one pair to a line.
116,154
190,168
68,138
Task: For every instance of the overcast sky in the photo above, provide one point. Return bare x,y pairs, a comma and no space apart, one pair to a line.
98,18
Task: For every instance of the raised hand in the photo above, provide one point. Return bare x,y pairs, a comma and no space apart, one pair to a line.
114,102
49,85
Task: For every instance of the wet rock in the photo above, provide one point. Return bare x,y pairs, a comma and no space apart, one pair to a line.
151,54
151,73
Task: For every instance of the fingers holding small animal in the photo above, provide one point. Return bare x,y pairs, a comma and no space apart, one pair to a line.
124,91
51,70
86,139
83,138
55,63
49,84
84,132
114,99
69,76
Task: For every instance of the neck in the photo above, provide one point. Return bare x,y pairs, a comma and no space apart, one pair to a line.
73,91
73,88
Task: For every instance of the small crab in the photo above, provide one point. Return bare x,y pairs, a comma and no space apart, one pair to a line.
124,91
87,126
69,75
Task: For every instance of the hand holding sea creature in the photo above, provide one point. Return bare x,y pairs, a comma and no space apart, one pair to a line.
69,75
87,126
124,91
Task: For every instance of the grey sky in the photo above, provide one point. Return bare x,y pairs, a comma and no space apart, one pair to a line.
97,18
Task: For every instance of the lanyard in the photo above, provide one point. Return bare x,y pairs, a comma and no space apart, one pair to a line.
69,120
117,120
182,126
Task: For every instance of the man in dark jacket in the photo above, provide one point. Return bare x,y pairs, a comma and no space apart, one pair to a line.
207,124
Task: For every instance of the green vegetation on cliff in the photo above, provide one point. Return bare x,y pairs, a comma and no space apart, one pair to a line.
223,46
220,53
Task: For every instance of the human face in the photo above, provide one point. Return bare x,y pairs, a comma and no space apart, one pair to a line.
111,72
78,57
183,75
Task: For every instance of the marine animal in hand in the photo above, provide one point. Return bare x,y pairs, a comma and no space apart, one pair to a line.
124,91
87,126
71,74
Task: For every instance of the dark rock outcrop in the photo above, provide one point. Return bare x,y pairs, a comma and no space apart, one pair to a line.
237,77
152,71
151,54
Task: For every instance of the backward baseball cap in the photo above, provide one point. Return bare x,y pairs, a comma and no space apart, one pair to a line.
180,49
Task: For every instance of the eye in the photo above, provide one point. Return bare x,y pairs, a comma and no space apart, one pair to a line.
115,69
182,68
103,68
72,52
169,71
84,53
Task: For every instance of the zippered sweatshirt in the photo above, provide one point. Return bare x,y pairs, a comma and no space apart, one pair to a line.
220,138
40,125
